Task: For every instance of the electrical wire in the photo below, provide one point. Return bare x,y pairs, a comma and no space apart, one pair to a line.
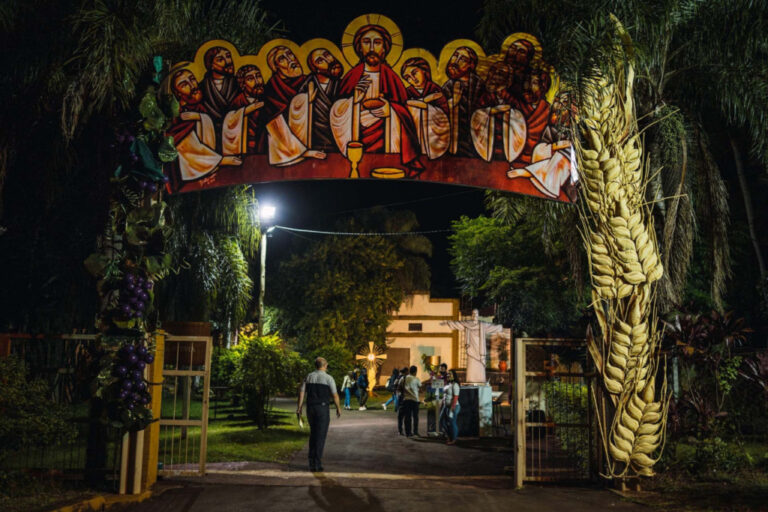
352,233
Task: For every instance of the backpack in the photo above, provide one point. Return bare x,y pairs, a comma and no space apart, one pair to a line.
391,384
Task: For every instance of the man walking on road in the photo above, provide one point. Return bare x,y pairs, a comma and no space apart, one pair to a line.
318,388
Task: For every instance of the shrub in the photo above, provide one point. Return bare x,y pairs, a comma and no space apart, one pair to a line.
265,368
566,403
27,416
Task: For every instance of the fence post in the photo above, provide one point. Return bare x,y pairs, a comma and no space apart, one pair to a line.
152,432
519,412
5,345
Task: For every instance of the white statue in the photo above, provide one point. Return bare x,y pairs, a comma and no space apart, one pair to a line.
475,332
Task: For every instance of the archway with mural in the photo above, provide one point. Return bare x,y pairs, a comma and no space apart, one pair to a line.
370,108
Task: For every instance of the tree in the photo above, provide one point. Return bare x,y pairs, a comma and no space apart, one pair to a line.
27,416
73,80
339,292
508,265
214,243
413,249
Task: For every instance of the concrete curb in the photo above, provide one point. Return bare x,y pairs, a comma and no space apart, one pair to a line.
102,502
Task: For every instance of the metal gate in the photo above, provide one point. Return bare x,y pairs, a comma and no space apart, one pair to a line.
553,413
184,417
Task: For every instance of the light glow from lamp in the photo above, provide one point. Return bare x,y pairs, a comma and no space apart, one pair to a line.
267,212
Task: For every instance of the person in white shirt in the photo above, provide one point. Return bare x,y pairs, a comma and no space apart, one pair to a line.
346,387
451,407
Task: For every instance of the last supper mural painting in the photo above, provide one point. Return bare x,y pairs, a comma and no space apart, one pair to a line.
373,109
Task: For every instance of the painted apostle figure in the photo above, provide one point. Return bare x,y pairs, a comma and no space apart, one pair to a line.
320,90
193,132
241,126
373,106
428,107
218,85
519,57
498,129
284,132
463,89
547,163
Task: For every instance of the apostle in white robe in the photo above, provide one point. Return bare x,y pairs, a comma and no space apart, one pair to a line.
285,122
193,131
498,128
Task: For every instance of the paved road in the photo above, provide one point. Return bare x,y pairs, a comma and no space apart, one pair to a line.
370,467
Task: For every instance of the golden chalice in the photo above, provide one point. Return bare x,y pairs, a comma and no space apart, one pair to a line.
354,155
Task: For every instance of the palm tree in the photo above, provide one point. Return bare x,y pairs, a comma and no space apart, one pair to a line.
214,243
74,81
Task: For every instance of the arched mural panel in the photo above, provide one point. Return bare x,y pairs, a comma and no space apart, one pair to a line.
372,108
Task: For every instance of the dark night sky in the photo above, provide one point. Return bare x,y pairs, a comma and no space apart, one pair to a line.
319,204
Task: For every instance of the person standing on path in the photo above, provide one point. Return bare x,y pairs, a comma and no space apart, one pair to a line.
451,407
362,387
411,403
400,391
318,389
346,387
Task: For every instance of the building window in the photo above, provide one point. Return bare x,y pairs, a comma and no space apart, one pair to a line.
414,327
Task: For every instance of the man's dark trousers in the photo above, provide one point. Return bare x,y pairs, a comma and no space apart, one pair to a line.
411,415
319,418
402,413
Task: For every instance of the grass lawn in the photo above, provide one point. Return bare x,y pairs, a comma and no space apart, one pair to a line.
232,436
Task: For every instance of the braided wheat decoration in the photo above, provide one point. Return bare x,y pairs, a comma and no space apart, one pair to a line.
624,263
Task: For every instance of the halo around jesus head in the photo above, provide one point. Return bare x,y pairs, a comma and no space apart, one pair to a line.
370,21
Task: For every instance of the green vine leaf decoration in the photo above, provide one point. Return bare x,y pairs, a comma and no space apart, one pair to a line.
167,151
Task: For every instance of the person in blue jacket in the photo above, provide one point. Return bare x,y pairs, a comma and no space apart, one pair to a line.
362,388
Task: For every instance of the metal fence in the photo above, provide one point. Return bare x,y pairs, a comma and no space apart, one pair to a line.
553,417
62,362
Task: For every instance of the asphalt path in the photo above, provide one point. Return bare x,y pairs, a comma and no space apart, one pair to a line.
368,466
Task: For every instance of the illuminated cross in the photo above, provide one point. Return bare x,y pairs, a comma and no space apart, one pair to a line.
371,358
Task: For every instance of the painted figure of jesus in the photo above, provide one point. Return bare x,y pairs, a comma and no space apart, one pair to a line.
373,106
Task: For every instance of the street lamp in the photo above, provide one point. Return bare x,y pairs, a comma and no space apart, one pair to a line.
266,215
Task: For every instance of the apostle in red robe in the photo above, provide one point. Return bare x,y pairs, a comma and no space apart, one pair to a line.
536,111
281,137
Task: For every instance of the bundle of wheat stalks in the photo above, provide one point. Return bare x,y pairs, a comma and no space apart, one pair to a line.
624,263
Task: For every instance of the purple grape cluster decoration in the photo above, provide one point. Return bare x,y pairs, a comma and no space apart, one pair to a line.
132,390
134,296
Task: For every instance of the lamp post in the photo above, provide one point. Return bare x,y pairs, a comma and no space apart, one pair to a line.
266,214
